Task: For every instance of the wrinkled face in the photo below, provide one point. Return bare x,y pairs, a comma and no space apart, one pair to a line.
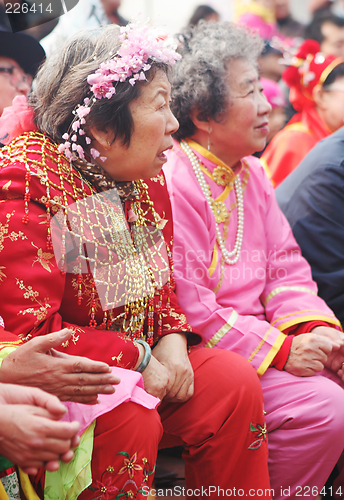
333,101
333,43
12,85
153,125
244,127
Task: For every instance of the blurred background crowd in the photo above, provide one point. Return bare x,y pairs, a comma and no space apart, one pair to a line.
305,90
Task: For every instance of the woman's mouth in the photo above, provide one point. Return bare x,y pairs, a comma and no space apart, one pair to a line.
162,156
264,127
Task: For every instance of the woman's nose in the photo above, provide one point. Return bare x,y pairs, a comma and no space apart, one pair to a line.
264,105
173,124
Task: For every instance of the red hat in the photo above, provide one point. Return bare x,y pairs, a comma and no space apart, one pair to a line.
307,68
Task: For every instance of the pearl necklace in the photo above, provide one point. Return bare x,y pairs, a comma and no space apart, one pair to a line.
230,257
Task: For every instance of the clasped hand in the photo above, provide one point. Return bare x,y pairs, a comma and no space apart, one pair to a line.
311,352
31,435
169,373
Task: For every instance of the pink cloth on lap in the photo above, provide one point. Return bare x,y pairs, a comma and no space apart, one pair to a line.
130,388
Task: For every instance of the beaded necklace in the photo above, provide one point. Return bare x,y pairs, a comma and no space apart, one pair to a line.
230,257
129,262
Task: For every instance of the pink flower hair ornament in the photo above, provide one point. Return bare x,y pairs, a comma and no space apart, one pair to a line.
139,44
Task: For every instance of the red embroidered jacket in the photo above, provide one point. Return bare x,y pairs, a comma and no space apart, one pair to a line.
37,298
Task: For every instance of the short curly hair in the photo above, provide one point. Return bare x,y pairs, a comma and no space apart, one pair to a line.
199,78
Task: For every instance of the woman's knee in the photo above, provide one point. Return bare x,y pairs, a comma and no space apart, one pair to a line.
229,373
130,417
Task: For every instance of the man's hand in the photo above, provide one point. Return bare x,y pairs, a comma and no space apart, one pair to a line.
171,352
310,351
71,378
30,434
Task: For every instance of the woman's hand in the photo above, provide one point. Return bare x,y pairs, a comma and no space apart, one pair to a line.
30,434
71,378
335,359
171,352
155,378
310,352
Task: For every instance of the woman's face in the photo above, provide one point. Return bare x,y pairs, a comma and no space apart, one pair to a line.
244,127
12,85
333,105
153,125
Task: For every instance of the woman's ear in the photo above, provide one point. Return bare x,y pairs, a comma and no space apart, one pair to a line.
103,137
201,125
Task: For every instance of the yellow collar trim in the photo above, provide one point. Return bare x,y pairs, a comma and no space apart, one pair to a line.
207,154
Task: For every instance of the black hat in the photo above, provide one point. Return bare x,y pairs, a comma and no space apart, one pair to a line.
24,49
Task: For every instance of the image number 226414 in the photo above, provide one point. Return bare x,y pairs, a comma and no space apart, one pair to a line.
24,14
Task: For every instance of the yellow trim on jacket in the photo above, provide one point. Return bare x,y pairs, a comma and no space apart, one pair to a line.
223,330
271,354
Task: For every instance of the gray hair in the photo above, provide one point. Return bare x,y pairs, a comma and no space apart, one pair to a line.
199,80
61,85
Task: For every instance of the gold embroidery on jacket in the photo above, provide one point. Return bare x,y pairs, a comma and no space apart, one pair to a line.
30,294
182,324
43,258
13,236
2,275
159,178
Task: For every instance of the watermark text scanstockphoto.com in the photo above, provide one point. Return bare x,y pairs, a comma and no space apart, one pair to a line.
204,492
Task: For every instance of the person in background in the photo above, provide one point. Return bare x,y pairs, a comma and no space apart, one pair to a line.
315,6
270,63
4,21
258,15
20,58
204,12
316,91
312,199
240,276
328,30
86,15
287,25
277,115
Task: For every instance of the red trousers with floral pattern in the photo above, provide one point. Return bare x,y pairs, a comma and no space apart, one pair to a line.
221,426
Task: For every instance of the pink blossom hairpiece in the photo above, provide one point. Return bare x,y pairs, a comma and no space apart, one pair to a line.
139,44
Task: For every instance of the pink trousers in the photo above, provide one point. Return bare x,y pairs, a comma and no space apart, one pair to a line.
305,421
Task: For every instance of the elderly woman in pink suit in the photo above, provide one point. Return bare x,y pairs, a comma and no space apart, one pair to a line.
241,278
